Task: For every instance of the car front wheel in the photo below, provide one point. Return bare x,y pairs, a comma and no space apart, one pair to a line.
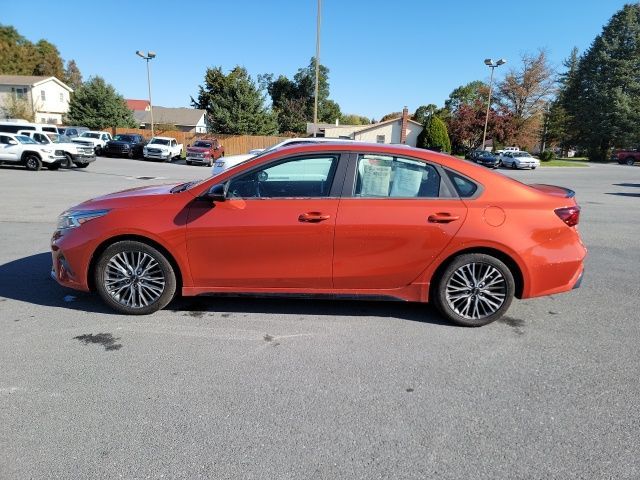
134,278
474,290
630,161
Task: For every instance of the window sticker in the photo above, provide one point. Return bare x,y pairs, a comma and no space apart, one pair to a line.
406,182
376,177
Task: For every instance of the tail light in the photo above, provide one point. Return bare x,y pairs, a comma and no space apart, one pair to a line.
569,215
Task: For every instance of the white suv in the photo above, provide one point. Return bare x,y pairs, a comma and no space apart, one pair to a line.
19,149
227,162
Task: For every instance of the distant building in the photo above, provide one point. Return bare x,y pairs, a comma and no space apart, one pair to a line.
185,119
138,105
48,96
400,130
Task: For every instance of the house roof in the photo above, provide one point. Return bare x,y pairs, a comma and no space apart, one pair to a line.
137,104
188,117
30,80
386,122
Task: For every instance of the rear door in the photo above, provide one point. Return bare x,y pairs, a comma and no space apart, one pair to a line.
396,215
8,151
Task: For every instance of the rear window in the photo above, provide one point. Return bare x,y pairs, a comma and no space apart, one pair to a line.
465,187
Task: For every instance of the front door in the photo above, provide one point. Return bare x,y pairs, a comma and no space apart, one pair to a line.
393,224
275,230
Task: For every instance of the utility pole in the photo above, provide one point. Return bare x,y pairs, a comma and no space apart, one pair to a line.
489,63
315,100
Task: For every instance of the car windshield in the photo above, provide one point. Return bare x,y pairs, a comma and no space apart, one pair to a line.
202,144
90,135
123,138
25,139
159,141
521,154
55,138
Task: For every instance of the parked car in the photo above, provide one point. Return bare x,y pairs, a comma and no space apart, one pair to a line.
626,156
487,159
162,148
472,154
95,139
517,160
23,150
507,150
232,160
204,151
72,132
75,154
128,145
335,219
15,125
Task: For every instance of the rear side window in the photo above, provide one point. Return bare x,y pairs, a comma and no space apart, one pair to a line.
388,176
465,187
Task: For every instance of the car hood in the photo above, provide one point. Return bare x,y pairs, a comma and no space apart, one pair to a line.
197,149
131,198
119,142
85,139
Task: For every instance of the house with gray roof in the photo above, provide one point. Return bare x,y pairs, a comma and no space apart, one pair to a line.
188,120
48,97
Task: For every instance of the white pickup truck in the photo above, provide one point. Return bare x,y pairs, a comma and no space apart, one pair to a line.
75,153
162,148
19,149
94,139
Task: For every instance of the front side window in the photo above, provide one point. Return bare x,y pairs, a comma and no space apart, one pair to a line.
387,176
297,178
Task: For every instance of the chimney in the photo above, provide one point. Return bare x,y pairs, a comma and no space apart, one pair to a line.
403,127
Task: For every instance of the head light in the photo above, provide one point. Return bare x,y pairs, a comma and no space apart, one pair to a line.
74,219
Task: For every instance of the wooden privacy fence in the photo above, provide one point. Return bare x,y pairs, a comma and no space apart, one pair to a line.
233,144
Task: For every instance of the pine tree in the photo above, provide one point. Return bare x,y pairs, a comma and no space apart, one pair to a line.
434,135
97,105
234,104
603,101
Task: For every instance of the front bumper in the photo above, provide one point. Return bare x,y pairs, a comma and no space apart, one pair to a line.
83,158
158,156
202,160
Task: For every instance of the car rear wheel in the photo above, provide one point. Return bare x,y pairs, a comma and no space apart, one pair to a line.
474,290
32,162
134,278
630,161
514,166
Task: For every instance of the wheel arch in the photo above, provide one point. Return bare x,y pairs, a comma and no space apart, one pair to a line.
26,153
137,238
513,266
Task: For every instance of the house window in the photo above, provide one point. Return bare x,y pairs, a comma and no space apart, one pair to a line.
19,92
61,97
380,138
43,97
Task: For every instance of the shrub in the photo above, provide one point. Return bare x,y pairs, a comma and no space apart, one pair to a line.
546,156
434,136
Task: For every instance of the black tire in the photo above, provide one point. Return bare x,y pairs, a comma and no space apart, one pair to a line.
449,280
533,168
98,150
68,163
32,162
135,248
187,162
629,161
82,165
53,166
514,166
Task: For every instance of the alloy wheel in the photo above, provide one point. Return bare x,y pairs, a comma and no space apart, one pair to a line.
134,279
476,290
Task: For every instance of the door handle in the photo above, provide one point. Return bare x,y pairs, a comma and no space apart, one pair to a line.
313,217
442,217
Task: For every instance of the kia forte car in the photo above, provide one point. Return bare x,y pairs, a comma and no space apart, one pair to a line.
340,219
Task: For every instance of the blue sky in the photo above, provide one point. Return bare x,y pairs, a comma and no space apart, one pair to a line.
382,55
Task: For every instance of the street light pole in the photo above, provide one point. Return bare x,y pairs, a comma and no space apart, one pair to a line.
489,63
148,57
315,100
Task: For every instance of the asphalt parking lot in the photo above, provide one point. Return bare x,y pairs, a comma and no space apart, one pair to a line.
254,388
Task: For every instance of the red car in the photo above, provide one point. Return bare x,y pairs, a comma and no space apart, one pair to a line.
339,220
204,152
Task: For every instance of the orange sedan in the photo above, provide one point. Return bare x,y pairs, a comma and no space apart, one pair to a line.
334,219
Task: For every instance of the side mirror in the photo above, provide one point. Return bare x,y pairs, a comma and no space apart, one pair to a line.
217,193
